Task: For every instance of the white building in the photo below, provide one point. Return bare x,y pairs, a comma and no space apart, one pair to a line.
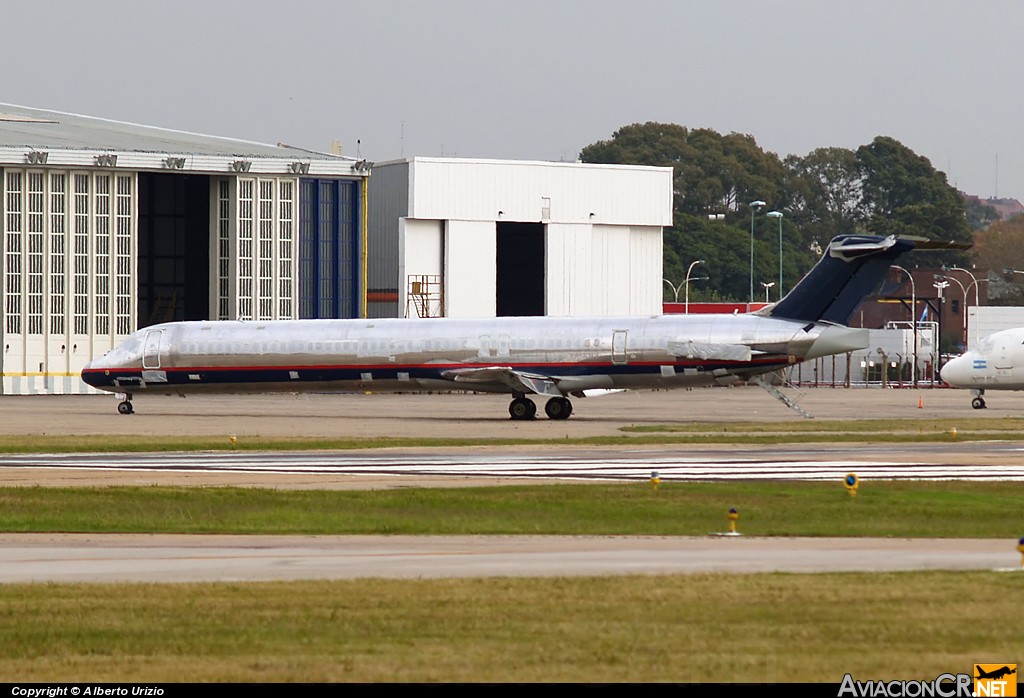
486,238
983,320
109,226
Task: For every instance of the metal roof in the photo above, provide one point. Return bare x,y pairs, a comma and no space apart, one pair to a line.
74,140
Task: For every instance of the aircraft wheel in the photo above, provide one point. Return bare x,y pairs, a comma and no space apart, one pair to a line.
978,403
522,408
125,407
558,408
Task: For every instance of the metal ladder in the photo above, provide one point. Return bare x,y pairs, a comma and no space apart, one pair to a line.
782,397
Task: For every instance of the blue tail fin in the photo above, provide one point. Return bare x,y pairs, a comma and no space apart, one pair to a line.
851,268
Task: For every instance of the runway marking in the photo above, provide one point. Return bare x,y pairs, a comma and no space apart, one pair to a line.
613,467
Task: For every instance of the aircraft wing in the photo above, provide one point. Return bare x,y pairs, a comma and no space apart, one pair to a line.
506,375
709,351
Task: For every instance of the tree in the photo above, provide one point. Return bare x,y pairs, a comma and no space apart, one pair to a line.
881,188
712,175
1000,246
827,189
905,195
979,214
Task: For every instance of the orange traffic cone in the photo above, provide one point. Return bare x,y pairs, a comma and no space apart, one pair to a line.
920,403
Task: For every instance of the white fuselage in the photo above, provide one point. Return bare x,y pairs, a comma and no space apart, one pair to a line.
997,363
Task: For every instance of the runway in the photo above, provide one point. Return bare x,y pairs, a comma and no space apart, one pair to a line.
179,558
965,461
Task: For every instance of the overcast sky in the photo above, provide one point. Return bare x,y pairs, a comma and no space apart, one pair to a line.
539,79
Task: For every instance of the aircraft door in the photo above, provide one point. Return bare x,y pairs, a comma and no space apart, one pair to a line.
619,347
485,347
1003,355
151,349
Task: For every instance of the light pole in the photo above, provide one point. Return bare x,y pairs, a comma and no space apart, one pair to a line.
675,291
973,278
754,207
940,286
767,285
974,282
778,214
913,313
942,278
687,283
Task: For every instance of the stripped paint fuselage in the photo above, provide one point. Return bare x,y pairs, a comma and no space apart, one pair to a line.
493,355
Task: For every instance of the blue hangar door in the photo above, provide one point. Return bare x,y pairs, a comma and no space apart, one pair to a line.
329,248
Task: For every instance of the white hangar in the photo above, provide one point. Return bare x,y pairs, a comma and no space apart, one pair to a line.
486,238
109,226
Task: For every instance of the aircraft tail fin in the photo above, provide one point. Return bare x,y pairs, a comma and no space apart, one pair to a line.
850,269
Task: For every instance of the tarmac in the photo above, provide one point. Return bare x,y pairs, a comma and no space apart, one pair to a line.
460,415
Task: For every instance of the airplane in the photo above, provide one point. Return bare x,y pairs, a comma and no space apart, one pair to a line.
550,357
995,364
994,674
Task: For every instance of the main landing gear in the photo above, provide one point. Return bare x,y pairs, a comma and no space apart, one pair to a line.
125,406
524,408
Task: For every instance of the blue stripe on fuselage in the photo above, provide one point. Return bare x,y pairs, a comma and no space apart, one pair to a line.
131,379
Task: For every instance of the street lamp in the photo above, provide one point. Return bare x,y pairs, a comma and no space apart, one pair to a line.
675,291
913,313
974,282
940,286
942,278
973,278
778,214
754,207
767,285
687,282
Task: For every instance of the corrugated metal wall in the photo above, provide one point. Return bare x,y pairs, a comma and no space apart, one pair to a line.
388,206
548,192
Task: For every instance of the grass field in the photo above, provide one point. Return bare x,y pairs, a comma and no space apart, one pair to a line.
883,508
686,628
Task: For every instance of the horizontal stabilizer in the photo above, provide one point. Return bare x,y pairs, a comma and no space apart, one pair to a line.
707,351
922,243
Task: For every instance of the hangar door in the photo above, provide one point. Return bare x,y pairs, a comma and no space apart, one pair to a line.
519,269
173,249
329,249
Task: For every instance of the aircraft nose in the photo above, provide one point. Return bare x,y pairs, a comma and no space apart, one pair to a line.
957,371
